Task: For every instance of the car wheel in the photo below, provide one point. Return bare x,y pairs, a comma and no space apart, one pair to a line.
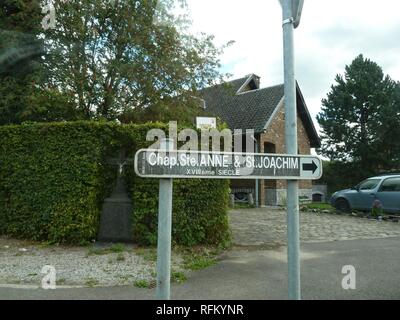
342,205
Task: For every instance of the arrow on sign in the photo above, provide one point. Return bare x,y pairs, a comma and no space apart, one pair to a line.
310,167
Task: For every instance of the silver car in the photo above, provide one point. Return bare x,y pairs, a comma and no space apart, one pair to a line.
386,189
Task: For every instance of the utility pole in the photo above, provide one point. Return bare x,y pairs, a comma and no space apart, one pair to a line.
291,10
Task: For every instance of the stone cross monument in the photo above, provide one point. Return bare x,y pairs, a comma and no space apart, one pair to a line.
116,216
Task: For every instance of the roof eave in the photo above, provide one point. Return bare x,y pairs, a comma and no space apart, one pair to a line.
315,141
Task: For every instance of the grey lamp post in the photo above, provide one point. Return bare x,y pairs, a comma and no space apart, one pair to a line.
291,10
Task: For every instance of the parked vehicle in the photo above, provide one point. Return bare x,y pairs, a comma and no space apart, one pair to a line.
384,188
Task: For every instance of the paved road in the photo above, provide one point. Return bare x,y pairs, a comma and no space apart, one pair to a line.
261,274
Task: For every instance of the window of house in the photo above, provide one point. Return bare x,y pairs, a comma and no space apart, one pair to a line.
269,147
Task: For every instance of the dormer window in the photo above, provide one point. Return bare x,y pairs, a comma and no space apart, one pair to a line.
252,83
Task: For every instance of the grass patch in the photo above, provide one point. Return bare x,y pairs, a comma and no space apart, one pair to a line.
198,258
321,206
115,248
148,254
197,262
142,284
91,282
96,251
85,243
44,244
121,257
60,281
178,277
189,258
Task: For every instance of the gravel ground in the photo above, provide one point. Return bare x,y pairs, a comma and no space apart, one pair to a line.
21,264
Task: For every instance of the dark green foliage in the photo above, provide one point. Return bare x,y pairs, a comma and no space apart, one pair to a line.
51,181
340,175
199,211
361,118
129,60
20,49
132,60
376,212
54,178
20,57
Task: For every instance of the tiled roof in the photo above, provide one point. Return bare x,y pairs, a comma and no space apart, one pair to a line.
251,109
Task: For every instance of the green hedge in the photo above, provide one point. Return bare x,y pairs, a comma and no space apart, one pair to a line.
199,211
54,178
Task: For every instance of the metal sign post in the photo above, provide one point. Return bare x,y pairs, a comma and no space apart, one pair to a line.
166,164
291,18
164,231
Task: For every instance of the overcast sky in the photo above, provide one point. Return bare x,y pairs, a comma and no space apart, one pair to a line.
331,34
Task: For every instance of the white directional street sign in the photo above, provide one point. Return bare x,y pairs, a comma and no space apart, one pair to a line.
226,165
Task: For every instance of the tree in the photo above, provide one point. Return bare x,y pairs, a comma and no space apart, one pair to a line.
387,128
338,175
360,118
20,57
128,60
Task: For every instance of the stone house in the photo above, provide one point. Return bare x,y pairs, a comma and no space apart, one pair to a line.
242,104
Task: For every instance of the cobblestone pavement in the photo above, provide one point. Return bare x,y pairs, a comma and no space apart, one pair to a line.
267,227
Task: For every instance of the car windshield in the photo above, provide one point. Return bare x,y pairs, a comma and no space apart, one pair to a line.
368,184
